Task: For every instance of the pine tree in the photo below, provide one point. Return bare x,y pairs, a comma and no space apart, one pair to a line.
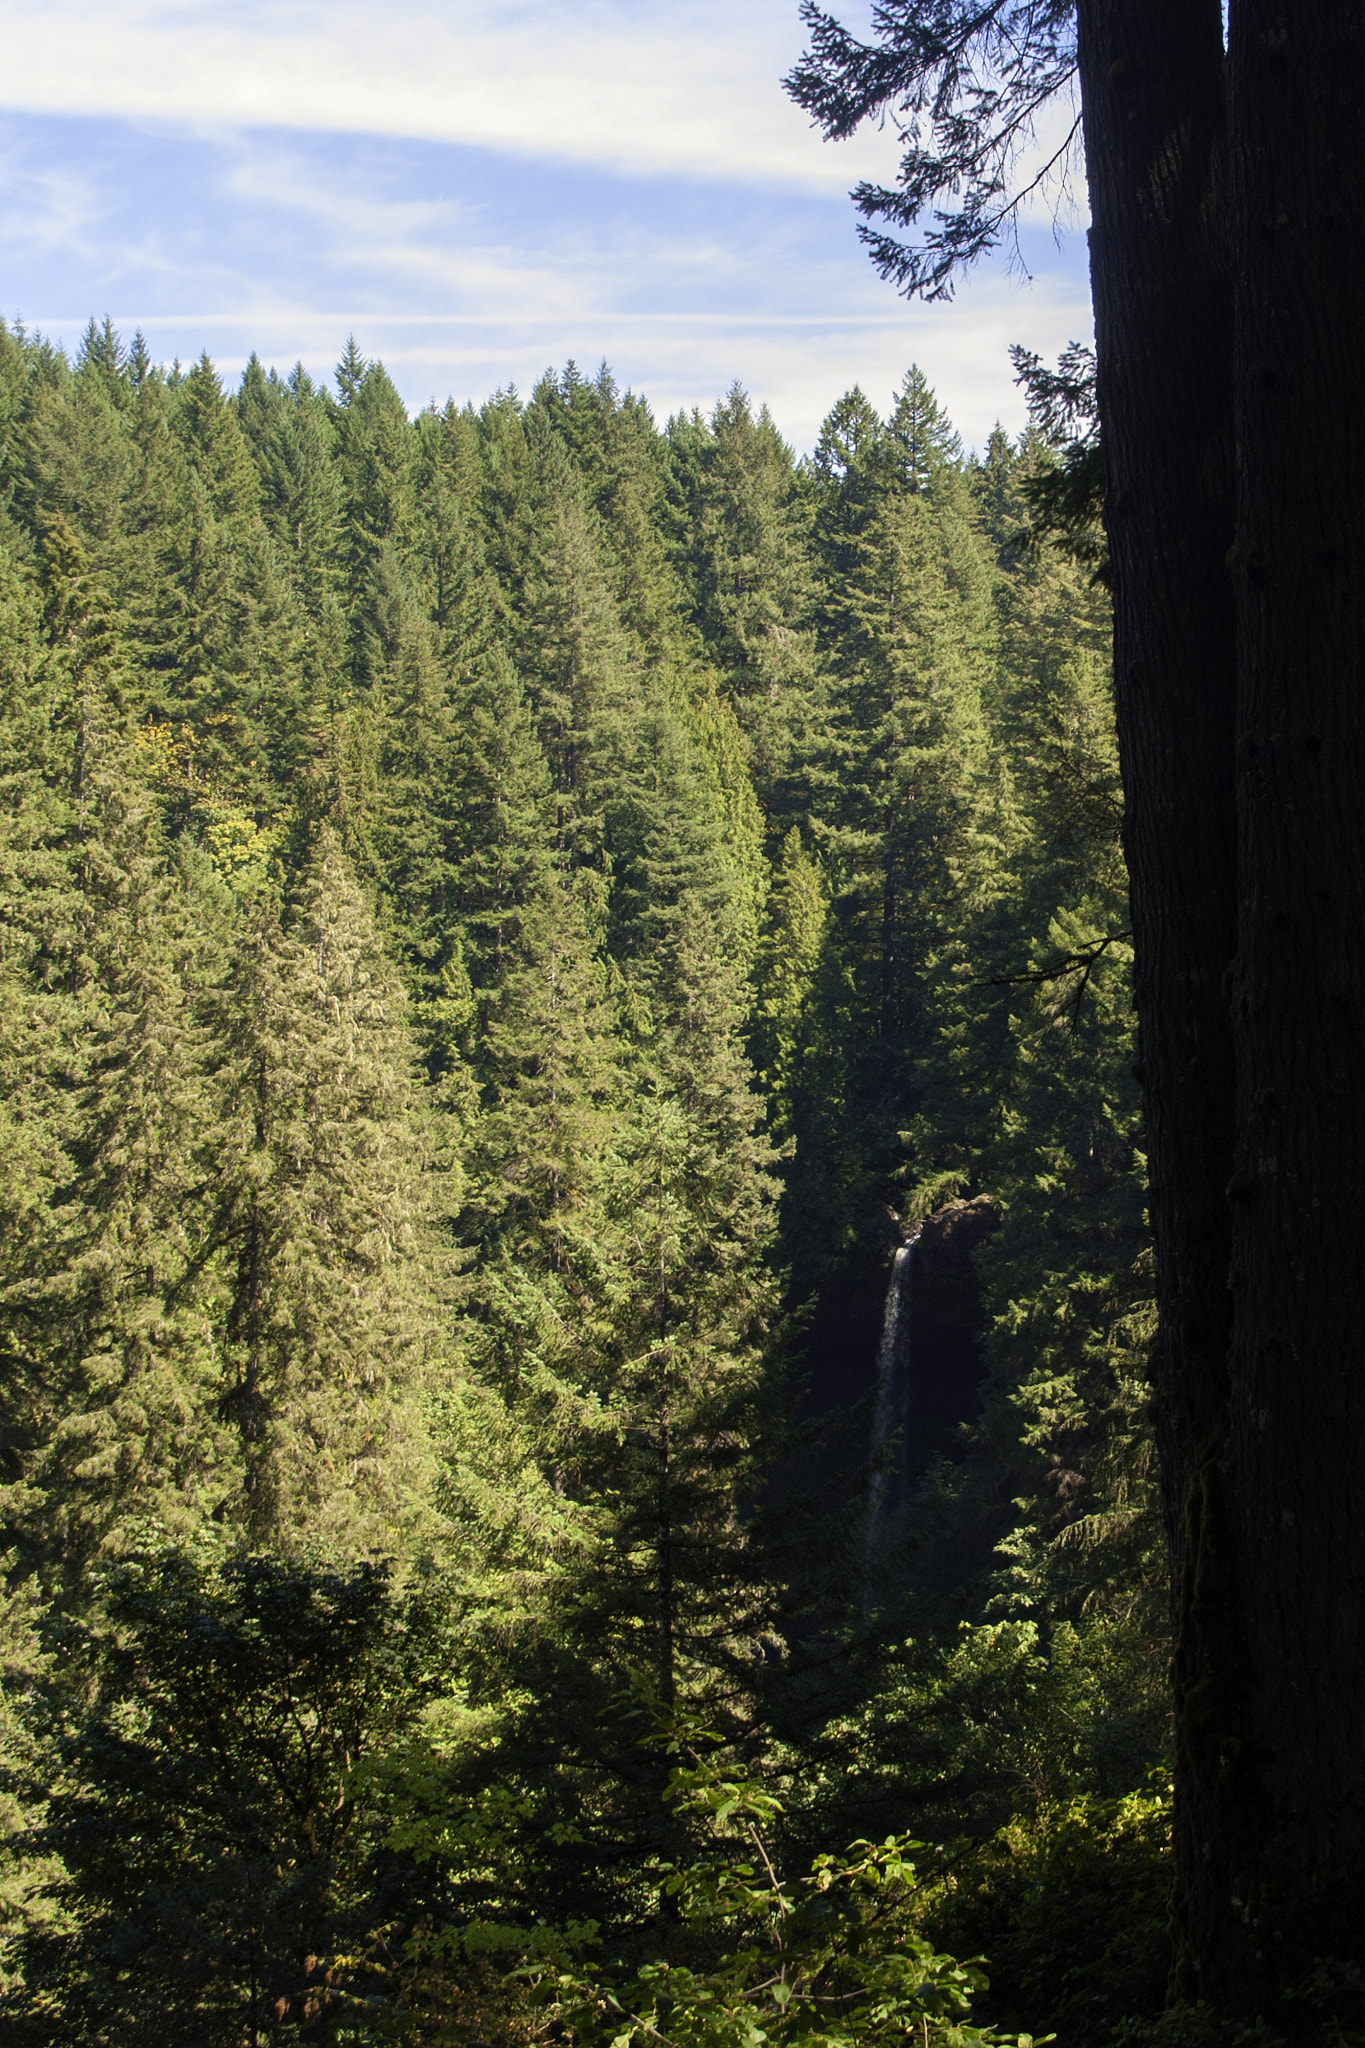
743,552
411,707
206,425
910,710
223,652
35,999
920,441
102,352
457,877
499,824
452,572
795,934
665,836
157,492
539,1298
651,1573
695,1191
905,816
288,426
131,1439
622,462
328,1327
71,456
118,1426
848,469
539,1039
375,451
575,659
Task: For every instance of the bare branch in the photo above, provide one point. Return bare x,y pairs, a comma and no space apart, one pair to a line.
1083,962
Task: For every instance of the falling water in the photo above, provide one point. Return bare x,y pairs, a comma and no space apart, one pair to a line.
893,1394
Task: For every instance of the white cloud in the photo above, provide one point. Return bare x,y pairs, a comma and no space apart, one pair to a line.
639,85
480,188
466,272
55,208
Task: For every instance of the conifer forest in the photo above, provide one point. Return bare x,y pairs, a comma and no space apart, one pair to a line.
682,1144
512,918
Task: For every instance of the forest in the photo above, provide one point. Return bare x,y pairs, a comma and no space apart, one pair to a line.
511,918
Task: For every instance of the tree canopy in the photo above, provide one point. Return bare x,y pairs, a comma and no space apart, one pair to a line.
510,919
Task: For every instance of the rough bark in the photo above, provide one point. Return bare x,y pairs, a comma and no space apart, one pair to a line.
1155,139
1298,114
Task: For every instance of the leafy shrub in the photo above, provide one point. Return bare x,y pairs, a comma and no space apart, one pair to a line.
1071,1903
751,1957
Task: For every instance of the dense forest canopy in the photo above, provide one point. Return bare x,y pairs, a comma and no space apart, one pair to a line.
506,916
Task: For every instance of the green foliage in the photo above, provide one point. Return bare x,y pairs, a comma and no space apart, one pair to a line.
329,1311
215,1820
1071,1905
505,917
834,1957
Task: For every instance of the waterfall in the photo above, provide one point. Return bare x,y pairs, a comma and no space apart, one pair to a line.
892,1414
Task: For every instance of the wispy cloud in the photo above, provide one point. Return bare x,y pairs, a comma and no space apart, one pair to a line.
479,189
466,269
640,85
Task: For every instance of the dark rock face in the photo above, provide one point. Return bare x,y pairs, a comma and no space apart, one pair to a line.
841,1346
944,1337
945,1327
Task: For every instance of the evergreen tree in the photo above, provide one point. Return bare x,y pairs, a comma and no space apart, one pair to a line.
920,442
539,1037
540,1296
794,937
207,427
130,1435
665,842
651,1573
449,547
118,1425
328,1325
848,470
455,875
70,456
35,997
412,714
288,425
903,841
574,657
375,451
743,552
219,1853
746,564
696,1190
623,464
500,823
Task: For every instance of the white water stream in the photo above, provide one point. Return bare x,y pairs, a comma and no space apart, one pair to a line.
892,1415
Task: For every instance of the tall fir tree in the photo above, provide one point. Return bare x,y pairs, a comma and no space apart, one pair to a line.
120,1430
329,1321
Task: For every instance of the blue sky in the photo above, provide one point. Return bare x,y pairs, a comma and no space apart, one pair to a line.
478,191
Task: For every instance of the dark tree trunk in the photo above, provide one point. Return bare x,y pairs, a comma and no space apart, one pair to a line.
1155,140
1298,112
